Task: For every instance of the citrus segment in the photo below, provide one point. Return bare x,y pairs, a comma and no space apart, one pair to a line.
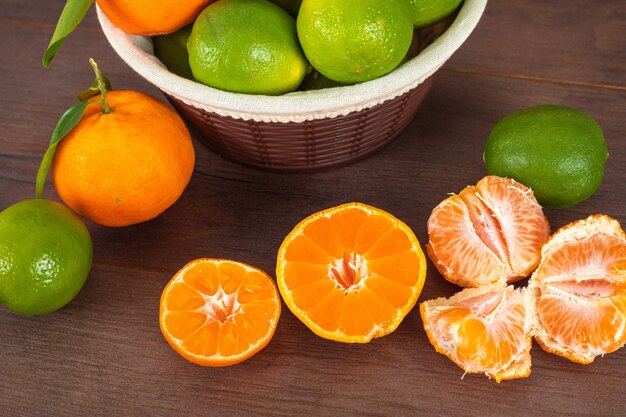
489,233
579,290
351,273
482,330
218,312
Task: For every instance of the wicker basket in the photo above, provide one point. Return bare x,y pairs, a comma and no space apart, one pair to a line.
304,131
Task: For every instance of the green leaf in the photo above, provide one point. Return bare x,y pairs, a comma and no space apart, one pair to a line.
94,89
71,16
66,123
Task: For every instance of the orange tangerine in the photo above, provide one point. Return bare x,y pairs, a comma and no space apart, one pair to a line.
144,17
482,330
216,312
127,166
579,290
488,233
351,273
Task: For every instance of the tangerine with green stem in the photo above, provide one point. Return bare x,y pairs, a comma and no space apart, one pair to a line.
127,160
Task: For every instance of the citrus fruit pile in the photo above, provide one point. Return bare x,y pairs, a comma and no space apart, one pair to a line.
257,47
350,273
495,233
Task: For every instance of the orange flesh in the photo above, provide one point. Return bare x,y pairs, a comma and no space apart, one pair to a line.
492,232
218,313
485,333
352,273
580,290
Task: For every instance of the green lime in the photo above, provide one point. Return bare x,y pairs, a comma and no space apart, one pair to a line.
292,6
558,152
45,256
171,49
428,12
246,46
352,41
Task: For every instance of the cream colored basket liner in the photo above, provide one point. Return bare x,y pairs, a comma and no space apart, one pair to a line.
137,52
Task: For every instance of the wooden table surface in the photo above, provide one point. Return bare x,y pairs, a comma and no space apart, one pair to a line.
103,354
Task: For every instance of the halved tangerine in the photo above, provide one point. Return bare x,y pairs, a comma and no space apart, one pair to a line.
489,233
216,312
351,273
482,330
579,290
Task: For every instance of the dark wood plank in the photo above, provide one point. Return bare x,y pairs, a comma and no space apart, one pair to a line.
108,349
40,13
560,40
36,97
103,354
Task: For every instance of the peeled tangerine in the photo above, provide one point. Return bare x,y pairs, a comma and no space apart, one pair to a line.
489,233
574,306
579,290
482,330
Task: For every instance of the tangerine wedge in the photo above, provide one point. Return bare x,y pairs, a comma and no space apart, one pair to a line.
579,290
351,273
216,312
489,233
482,330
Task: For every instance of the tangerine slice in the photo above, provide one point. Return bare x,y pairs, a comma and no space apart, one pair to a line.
489,233
579,290
351,273
216,312
482,330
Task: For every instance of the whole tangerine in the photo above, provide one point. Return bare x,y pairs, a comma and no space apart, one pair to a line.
147,18
126,166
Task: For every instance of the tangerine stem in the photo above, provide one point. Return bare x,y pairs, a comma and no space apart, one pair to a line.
101,86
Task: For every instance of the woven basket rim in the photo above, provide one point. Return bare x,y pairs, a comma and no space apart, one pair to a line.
299,106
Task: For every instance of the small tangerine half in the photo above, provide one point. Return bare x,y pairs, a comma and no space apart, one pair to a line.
216,312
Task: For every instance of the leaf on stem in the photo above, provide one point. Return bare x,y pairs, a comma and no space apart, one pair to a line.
94,90
66,123
71,16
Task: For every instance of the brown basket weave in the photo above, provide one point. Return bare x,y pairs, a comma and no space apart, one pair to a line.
305,131
308,146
